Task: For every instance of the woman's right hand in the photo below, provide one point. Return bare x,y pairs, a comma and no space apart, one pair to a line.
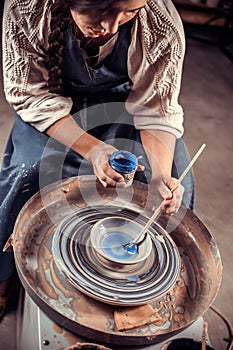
99,157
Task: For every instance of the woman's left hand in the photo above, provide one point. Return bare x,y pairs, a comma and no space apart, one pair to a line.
162,186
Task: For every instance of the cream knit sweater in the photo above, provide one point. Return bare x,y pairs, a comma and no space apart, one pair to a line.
155,60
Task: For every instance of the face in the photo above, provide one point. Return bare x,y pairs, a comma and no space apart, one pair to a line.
104,20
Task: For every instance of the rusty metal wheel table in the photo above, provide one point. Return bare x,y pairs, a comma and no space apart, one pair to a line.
83,313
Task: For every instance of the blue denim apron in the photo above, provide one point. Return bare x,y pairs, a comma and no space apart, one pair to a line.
98,94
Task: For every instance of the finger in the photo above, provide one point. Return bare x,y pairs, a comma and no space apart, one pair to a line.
171,209
107,176
103,181
107,180
178,194
165,191
140,168
173,185
173,205
115,179
107,170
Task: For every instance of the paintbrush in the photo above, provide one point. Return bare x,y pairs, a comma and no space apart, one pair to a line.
132,247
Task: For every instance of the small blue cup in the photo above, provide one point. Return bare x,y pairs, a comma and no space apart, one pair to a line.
126,164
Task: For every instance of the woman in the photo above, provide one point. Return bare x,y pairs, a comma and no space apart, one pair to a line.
88,77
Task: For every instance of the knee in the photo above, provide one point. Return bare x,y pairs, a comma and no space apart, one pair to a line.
18,172
28,170
20,177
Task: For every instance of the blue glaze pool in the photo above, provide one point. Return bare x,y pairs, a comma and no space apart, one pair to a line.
113,243
131,248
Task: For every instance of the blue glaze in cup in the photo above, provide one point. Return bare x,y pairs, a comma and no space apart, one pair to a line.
125,163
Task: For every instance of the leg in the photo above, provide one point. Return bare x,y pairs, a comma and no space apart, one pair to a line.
32,160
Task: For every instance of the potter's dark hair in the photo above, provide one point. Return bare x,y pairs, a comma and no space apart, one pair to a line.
85,5
60,19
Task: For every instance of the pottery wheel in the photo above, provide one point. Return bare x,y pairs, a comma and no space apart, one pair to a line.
80,291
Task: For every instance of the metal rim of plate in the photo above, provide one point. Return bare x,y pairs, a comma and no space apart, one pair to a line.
107,281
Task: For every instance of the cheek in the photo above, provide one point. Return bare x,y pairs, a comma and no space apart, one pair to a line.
79,19
127,18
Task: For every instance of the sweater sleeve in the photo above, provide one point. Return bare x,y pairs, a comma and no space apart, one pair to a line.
155,67
25,41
